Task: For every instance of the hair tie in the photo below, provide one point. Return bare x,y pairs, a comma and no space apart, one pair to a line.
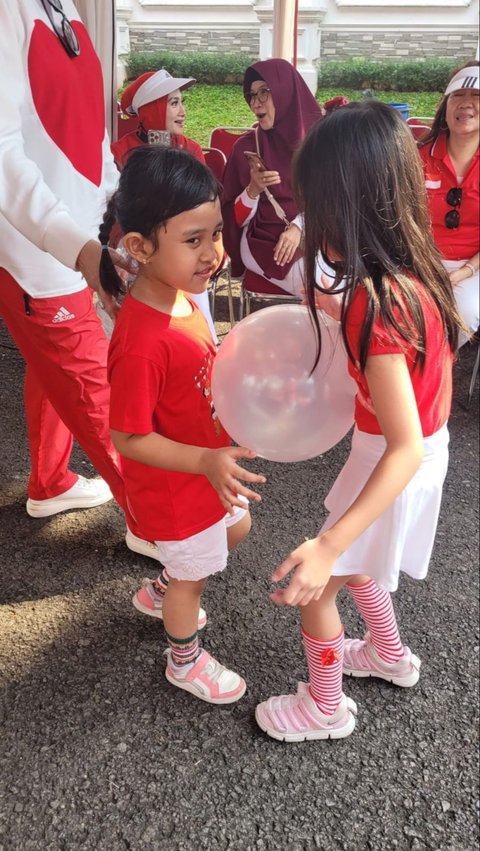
105,247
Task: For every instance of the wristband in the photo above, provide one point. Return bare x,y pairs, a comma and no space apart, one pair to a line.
473,271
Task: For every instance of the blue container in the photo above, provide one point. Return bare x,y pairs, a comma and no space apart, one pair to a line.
403,109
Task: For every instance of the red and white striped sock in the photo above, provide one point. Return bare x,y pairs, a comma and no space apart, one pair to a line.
325,667
376,608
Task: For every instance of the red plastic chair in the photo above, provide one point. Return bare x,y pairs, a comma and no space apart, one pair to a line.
418,130
256,287
216,161
224,138
420,119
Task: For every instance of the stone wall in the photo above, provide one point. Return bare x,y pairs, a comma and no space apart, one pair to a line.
397,45
205,41
334,45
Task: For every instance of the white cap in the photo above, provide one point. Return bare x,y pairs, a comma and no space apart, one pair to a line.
466,78
157,86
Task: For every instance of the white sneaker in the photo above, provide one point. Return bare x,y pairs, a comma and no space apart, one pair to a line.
297,718
141,546
362,660
206,679
85,493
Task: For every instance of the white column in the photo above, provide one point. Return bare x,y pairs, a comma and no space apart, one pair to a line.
310,16
283,26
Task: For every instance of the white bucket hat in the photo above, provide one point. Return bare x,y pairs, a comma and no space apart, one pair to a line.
466,78
157,86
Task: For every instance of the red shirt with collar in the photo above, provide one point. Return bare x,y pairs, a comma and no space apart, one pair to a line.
432,386
463,242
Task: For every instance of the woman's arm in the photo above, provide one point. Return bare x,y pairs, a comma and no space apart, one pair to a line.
218,465
468,270
395,406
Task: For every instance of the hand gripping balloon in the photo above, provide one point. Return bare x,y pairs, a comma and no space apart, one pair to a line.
265,393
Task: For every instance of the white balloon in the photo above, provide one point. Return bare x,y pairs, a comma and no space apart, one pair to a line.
264,391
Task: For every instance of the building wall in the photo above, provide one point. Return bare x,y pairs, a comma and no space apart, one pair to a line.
207,41
397,45
337,29
334,45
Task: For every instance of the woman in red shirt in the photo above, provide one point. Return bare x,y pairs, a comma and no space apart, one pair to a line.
450,160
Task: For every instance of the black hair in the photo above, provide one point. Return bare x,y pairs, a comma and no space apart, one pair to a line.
359,180
156,184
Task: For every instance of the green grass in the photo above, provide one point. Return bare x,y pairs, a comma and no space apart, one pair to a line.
213,106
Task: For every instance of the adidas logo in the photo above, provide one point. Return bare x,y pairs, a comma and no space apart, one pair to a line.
63,315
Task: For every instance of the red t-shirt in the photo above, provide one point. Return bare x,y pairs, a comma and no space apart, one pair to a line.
159,368
463,242
432,386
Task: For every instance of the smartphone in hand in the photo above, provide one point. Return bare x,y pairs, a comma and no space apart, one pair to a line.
256,159
159,137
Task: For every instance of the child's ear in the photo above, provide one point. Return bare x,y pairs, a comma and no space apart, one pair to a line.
138,247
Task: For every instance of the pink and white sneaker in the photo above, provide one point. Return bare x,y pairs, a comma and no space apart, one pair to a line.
362,660
206,679
297,718
148,602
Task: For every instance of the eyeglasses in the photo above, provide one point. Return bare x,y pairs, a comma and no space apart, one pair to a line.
261,96
454,198
63,30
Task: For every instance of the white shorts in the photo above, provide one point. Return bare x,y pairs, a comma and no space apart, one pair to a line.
402,538
204,553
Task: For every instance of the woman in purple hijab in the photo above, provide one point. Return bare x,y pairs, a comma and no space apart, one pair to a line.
262,226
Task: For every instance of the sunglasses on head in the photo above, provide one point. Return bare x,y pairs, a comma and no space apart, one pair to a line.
63,28
454,198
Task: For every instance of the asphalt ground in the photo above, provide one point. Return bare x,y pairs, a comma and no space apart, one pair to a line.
100,753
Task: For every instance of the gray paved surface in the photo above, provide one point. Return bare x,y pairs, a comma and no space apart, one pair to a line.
100,753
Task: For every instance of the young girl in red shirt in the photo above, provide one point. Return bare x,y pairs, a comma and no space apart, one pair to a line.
360,185
182,476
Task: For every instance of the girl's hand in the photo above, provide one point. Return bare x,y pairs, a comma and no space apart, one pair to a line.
287,245
260,179
312,563
221,469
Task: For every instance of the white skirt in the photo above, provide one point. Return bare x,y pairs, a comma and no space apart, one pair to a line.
402,538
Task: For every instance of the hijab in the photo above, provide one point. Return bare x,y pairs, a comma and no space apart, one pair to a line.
295,111
152,116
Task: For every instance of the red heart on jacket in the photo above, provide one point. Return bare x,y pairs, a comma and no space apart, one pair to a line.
68,96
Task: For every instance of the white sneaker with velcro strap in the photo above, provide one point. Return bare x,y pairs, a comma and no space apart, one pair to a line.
362,660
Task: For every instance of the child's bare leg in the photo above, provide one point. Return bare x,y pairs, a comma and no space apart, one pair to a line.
181,605
320,618
189,667
239,531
